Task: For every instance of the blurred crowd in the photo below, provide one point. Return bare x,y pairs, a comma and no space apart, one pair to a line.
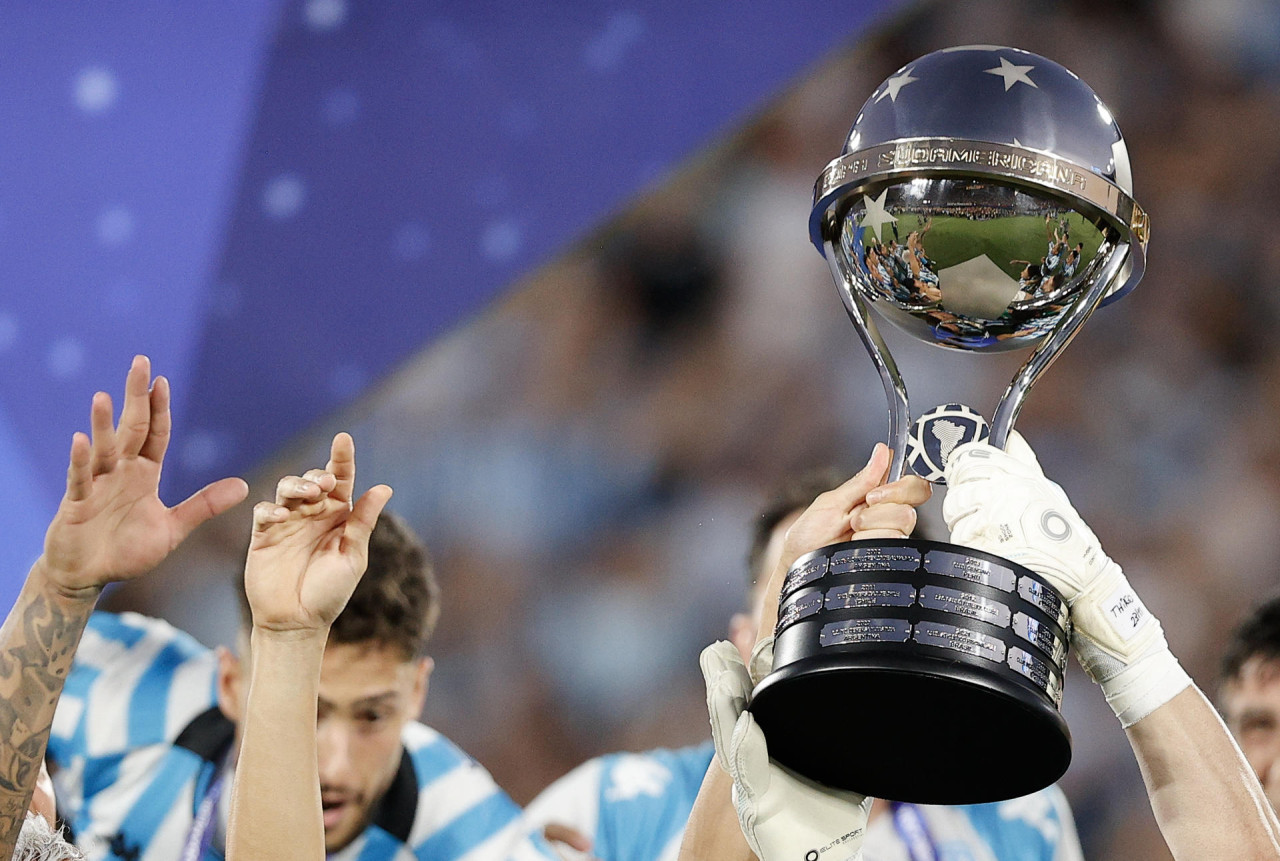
584,460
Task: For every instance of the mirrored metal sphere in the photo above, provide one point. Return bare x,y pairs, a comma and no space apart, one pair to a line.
980,192
969,263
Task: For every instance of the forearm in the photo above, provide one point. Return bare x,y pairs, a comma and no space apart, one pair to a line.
37,644
1205,796
713,832
275,802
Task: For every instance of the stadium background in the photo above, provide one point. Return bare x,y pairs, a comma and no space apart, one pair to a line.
299,209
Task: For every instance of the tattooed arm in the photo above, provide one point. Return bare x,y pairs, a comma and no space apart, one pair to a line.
111,525
37,642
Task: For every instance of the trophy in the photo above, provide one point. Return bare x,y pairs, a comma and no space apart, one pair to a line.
982,202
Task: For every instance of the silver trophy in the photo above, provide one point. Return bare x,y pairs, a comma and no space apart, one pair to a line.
982,202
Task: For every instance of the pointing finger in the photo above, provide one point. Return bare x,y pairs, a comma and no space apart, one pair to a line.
855,490
342,463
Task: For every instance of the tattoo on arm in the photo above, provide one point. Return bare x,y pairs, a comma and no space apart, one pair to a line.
37,643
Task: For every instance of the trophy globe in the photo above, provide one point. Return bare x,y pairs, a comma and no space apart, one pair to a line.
982,202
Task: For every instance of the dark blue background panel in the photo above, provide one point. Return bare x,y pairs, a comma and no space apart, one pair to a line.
121,134
410,160
281,201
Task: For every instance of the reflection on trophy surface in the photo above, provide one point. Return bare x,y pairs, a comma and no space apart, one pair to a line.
982,202
914,247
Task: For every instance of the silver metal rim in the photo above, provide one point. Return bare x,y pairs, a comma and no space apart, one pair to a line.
947,157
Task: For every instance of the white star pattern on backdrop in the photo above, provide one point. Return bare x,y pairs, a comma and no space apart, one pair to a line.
96,89
1012,74
895,84
875,216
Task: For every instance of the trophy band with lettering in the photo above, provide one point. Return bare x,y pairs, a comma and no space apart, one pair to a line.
982,202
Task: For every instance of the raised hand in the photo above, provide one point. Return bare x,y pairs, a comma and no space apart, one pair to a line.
111,524
311,545
864,507
1000,501
784,817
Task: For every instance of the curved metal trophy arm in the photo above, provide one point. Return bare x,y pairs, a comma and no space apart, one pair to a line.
1040,360
894,388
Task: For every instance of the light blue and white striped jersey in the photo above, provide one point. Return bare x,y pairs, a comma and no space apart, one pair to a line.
1036,827
635,806
138,741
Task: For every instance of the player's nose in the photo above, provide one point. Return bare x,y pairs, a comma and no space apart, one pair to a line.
333,749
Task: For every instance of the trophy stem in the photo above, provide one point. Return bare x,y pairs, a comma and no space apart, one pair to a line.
894,388
1040,360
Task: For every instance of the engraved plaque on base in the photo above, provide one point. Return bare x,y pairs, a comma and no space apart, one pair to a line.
937,654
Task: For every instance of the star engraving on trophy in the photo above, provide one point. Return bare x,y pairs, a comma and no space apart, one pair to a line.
1012,74
875,216
895,84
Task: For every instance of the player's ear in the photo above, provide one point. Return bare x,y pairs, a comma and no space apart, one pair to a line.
232,685
421,682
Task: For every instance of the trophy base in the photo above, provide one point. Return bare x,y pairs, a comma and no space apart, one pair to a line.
917,671
911,730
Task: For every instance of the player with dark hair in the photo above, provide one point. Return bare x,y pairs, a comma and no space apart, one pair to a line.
309,549
395,607
1249,693
147,734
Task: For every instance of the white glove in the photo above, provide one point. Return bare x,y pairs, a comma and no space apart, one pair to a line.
784,816
1000,502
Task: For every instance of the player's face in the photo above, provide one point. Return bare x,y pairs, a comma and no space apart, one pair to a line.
1251,705
368,692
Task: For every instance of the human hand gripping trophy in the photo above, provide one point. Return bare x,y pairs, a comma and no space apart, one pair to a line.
982,202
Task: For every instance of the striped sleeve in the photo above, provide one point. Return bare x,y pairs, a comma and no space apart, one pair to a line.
462,815
134,684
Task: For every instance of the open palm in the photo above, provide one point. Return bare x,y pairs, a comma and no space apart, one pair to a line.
111,524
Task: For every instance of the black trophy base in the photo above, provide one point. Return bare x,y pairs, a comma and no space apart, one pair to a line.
909,729
918,671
